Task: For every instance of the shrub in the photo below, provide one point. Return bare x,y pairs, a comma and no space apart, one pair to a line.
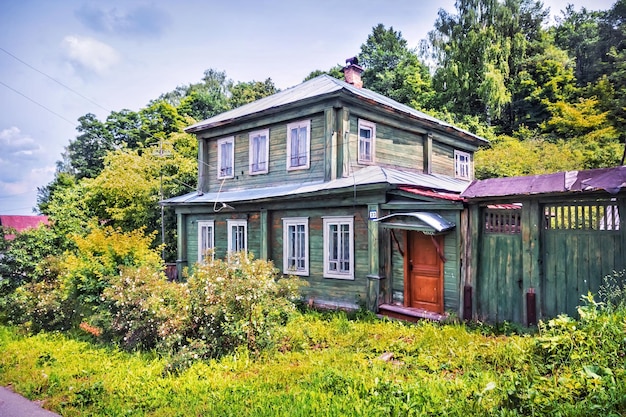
239,301
99,256
142,309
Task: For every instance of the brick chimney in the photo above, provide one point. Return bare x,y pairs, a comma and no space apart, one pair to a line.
352,72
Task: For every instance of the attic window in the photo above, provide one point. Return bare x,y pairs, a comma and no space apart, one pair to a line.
462,165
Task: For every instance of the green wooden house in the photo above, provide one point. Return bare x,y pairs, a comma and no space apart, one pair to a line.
537,244
354,192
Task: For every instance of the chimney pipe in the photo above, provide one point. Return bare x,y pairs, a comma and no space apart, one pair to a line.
352,72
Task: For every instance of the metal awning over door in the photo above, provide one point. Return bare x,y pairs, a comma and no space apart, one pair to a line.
421,221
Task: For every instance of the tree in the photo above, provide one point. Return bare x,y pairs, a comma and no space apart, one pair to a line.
393,70
86,153
243,93
479,51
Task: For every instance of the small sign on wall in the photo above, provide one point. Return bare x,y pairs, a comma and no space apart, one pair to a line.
373,214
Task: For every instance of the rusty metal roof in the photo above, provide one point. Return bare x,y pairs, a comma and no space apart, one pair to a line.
21,223
317,87
611,180
370,175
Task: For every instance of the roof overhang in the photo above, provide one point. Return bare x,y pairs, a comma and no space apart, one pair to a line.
421,221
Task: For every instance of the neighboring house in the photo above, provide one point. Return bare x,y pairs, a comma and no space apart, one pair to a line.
10,224
350,190
539,243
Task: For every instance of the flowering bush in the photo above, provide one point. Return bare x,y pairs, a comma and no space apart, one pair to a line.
239,301
141,308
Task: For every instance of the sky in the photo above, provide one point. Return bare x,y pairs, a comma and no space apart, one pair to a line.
60,60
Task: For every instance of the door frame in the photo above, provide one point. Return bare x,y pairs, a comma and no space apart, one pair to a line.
408,244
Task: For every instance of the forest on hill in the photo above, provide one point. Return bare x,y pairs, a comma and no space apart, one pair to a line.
548,97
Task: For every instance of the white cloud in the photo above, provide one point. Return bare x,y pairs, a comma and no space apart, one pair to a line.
90,53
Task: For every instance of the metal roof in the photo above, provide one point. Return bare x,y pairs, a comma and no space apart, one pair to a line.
317,87
431,220
611,180
370,175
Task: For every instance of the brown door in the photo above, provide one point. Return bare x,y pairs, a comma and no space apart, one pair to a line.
424,269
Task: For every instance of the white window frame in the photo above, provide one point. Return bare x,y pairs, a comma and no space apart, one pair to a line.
289,222
306,148
237,223
462,165
202,249
253,168
366,125
220,158
334,271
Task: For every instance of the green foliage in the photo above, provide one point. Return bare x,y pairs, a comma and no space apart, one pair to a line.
99,256
142,309
239,301
244,93
393,70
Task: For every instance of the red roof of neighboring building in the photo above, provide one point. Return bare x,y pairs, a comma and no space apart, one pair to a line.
21,223
430,193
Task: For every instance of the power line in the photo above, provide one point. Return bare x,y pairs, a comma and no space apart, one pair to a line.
37,103
54,79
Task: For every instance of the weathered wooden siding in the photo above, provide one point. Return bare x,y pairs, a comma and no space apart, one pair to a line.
499,286
277,173
393,146
221,233
556,262
575,262
326,290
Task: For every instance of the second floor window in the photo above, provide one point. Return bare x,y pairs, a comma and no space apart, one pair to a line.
367,136
259,152
298,145
462,165
225,157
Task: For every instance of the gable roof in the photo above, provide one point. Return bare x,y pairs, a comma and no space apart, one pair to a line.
21,223
318,87
611,180
370,175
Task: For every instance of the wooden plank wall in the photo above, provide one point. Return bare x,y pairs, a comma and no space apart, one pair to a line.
278,174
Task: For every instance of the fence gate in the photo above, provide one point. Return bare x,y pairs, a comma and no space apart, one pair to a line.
581,245
499,287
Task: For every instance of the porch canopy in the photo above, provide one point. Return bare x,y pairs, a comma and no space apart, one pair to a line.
421,221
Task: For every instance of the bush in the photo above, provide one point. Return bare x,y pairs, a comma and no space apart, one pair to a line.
142,309
99,256
239,301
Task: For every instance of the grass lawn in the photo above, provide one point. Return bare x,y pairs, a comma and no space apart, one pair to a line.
326,364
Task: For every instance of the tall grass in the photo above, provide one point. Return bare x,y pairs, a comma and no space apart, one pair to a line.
332,366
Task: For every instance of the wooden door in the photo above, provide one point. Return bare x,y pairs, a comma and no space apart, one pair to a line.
424,272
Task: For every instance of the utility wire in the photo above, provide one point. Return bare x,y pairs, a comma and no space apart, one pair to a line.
37,103
53,79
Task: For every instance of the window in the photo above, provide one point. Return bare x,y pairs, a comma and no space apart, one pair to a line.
296,246
367,136
338,247
259,152
206,238
298,146
237,235
462,165
225,157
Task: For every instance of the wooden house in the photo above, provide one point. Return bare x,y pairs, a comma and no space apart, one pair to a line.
537,244
354,192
